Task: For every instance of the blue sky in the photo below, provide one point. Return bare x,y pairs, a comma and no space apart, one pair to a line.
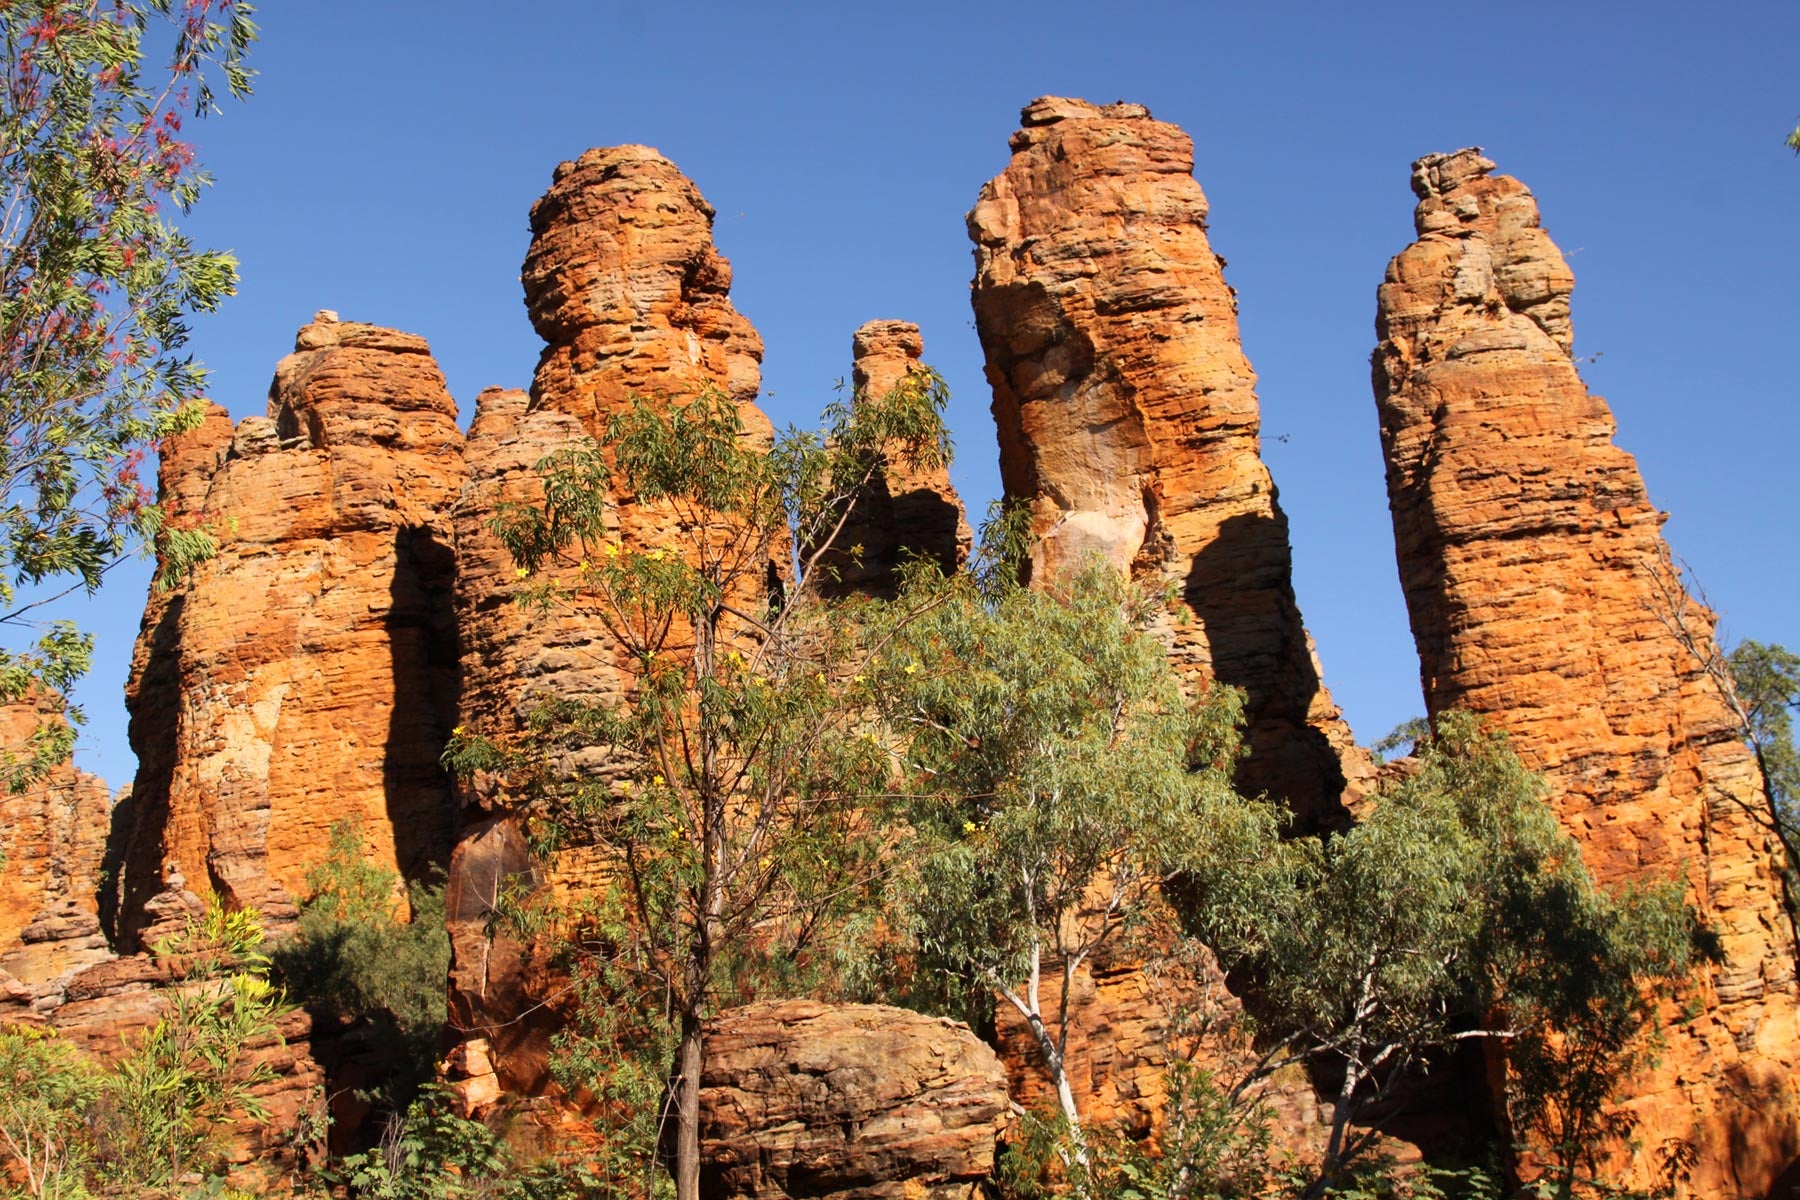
386,164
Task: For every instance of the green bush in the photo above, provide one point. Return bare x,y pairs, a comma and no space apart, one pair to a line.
355,956
147,1125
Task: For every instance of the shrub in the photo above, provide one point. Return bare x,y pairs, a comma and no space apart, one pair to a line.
355,956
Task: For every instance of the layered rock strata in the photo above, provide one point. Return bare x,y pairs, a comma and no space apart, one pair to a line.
105,1008
853,1102
307,672
624,284
1128,424
1541,595
52,840
1128,417
908,510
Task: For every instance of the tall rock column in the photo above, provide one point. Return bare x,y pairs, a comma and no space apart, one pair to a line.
1128,417
1541,596
306,673
1128,425
629,293
906,511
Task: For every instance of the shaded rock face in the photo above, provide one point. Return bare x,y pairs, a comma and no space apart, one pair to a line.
1128,423
906,512
1128,418
855,1102
1540,595
307,673
52,839
623,282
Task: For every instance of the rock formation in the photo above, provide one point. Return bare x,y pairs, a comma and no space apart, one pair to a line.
513,658
624,284
854,1102
1541,595
907,511
306,673
1128,424
52,838
1128,418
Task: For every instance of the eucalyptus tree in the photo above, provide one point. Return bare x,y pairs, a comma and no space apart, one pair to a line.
738,815
1058,777
96,284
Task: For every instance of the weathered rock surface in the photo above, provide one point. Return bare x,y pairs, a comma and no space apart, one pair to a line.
624,284
1540,595
1128,418
1128,423
907,511
52,841
855,1102
307,672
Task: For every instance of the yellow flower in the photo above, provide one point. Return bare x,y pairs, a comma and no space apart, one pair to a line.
654,556
820,677
912,668
458,731
584,568
612,549
858,678
968,827
657,781
522,572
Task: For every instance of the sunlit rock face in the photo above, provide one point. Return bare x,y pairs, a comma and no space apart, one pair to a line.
1128,418
631,297
52,844
1128,425
846,1102
306,673
1541,595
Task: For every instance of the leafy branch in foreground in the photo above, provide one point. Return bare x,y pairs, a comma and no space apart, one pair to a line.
151,1122
1058,777
96,283
1458,911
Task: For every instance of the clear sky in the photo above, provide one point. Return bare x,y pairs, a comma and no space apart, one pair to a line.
386,164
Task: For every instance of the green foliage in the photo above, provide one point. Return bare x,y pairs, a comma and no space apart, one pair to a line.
1208,1148
1058,778
146,1125
734,821
430,1153
96,282
615,1054
1458,910
1766,679
48,1093
352,954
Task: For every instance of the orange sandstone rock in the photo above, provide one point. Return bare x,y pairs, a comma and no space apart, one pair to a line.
1128,418
52,842
907,511
307,672
1541,596
1128,425
855,1102
624,284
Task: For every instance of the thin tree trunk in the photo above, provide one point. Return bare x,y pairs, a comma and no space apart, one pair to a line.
1050,1048
1346,1097
687,1110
